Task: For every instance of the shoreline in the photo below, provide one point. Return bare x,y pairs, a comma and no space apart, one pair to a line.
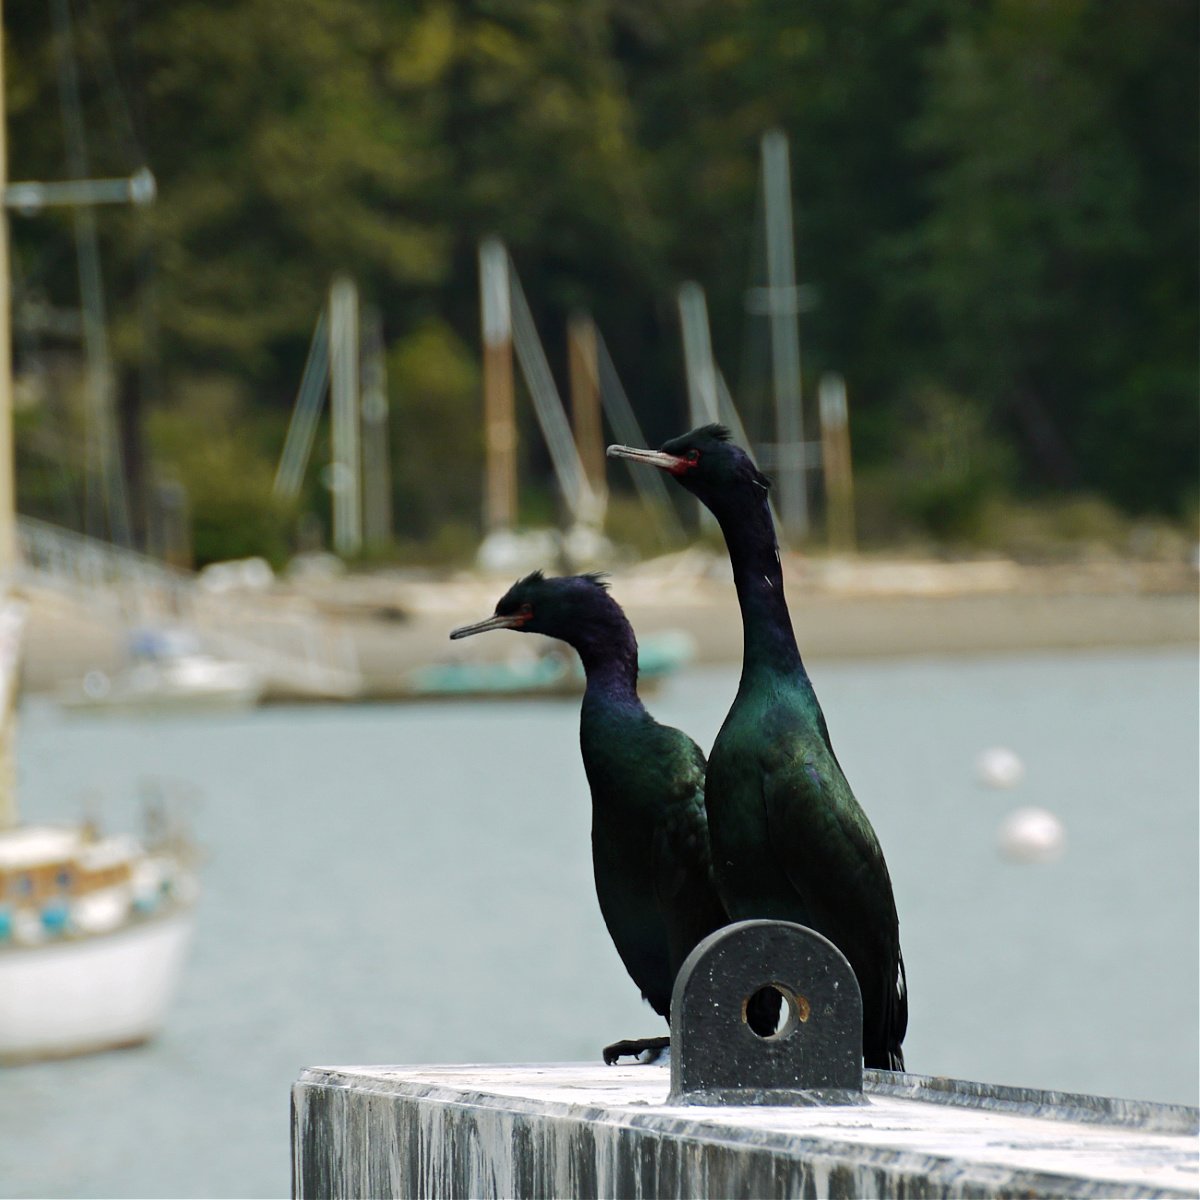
844,608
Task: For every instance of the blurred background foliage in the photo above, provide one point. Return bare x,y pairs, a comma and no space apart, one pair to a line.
995,213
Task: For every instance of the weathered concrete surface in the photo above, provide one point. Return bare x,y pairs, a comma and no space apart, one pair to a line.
583,1130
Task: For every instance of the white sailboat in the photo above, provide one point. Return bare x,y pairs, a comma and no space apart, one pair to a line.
93,929
169,673
93,933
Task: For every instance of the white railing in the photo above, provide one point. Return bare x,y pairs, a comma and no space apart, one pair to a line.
96,572
300,654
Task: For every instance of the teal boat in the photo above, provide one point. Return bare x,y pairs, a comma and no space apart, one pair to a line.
553,672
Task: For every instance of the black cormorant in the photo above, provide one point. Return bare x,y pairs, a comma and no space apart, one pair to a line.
789,840
649,836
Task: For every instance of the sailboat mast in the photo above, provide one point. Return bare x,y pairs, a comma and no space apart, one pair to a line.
785,333
8,536
107,505
8,516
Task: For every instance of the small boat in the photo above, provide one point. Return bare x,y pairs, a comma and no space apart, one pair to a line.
546,674
93,933
552,672
168,673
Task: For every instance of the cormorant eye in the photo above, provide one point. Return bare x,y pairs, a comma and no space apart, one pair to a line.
526,610
693,455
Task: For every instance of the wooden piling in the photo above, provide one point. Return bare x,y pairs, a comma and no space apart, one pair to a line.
499,419
836,463
586,421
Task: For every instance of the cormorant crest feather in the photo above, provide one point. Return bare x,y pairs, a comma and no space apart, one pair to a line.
595,578
719,433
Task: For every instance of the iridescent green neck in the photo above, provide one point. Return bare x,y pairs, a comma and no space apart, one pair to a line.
768,642
607,649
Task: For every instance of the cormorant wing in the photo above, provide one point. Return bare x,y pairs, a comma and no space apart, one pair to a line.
825,845
816,824
683,878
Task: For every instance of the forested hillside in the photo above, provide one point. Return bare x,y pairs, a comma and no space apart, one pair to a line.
995,212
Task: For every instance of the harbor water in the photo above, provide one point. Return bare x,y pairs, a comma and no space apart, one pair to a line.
408,884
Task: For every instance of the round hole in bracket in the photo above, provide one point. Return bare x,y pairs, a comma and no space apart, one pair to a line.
773,1010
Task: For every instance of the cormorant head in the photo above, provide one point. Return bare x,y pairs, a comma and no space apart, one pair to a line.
561,607
707,463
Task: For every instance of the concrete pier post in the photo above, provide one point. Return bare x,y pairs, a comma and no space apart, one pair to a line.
590,1130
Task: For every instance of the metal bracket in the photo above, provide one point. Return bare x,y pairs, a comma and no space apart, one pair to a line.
815,1054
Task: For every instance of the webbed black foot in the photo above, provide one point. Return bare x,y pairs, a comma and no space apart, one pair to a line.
646,1050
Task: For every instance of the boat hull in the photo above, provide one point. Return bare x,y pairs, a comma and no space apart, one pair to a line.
80,995
189,684
136,704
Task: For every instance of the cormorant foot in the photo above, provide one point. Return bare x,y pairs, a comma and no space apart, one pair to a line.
646,1050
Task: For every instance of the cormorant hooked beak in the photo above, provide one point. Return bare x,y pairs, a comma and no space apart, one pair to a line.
655,458
509,621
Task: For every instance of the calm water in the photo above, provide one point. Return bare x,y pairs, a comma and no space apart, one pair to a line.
409,884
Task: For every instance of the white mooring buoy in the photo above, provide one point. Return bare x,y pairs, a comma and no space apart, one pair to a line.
1031,835
1000,767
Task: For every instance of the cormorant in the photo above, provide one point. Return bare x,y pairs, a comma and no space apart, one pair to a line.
789,840
650,850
